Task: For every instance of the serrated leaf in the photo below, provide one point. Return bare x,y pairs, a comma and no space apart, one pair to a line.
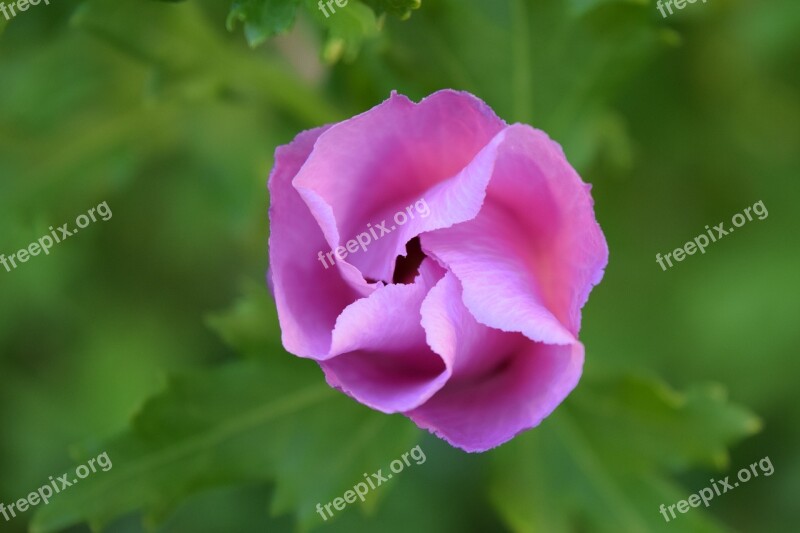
347,26
262,18
251,421
603,461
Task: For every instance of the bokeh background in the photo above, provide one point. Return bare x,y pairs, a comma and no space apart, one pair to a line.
152,336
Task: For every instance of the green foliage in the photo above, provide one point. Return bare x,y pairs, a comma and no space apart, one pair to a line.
262,18
273,418
245,422
621,439
347,27
188,56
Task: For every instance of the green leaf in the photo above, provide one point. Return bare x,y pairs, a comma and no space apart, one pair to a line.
262,18
399,8
251,421
603,461
347,26
348,29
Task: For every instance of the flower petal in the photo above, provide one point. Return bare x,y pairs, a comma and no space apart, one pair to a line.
440,151
379,354
528,261
309,297
501,384
479,416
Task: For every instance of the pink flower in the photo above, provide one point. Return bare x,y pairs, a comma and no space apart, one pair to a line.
465,320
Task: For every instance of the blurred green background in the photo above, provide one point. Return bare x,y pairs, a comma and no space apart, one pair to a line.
152,336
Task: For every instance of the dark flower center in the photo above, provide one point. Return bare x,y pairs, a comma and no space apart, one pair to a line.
406,268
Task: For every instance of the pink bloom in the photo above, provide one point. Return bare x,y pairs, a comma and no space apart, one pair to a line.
473,334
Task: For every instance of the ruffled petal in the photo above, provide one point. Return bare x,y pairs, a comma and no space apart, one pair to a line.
379,354
308,296
433,161
501,383
528,261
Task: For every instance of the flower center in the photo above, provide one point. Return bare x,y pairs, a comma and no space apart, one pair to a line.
406,268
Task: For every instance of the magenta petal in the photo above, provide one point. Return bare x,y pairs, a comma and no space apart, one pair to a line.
536,184
308,296
500,288
415,154
501,384
530,258
479,416
469,348
379,354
